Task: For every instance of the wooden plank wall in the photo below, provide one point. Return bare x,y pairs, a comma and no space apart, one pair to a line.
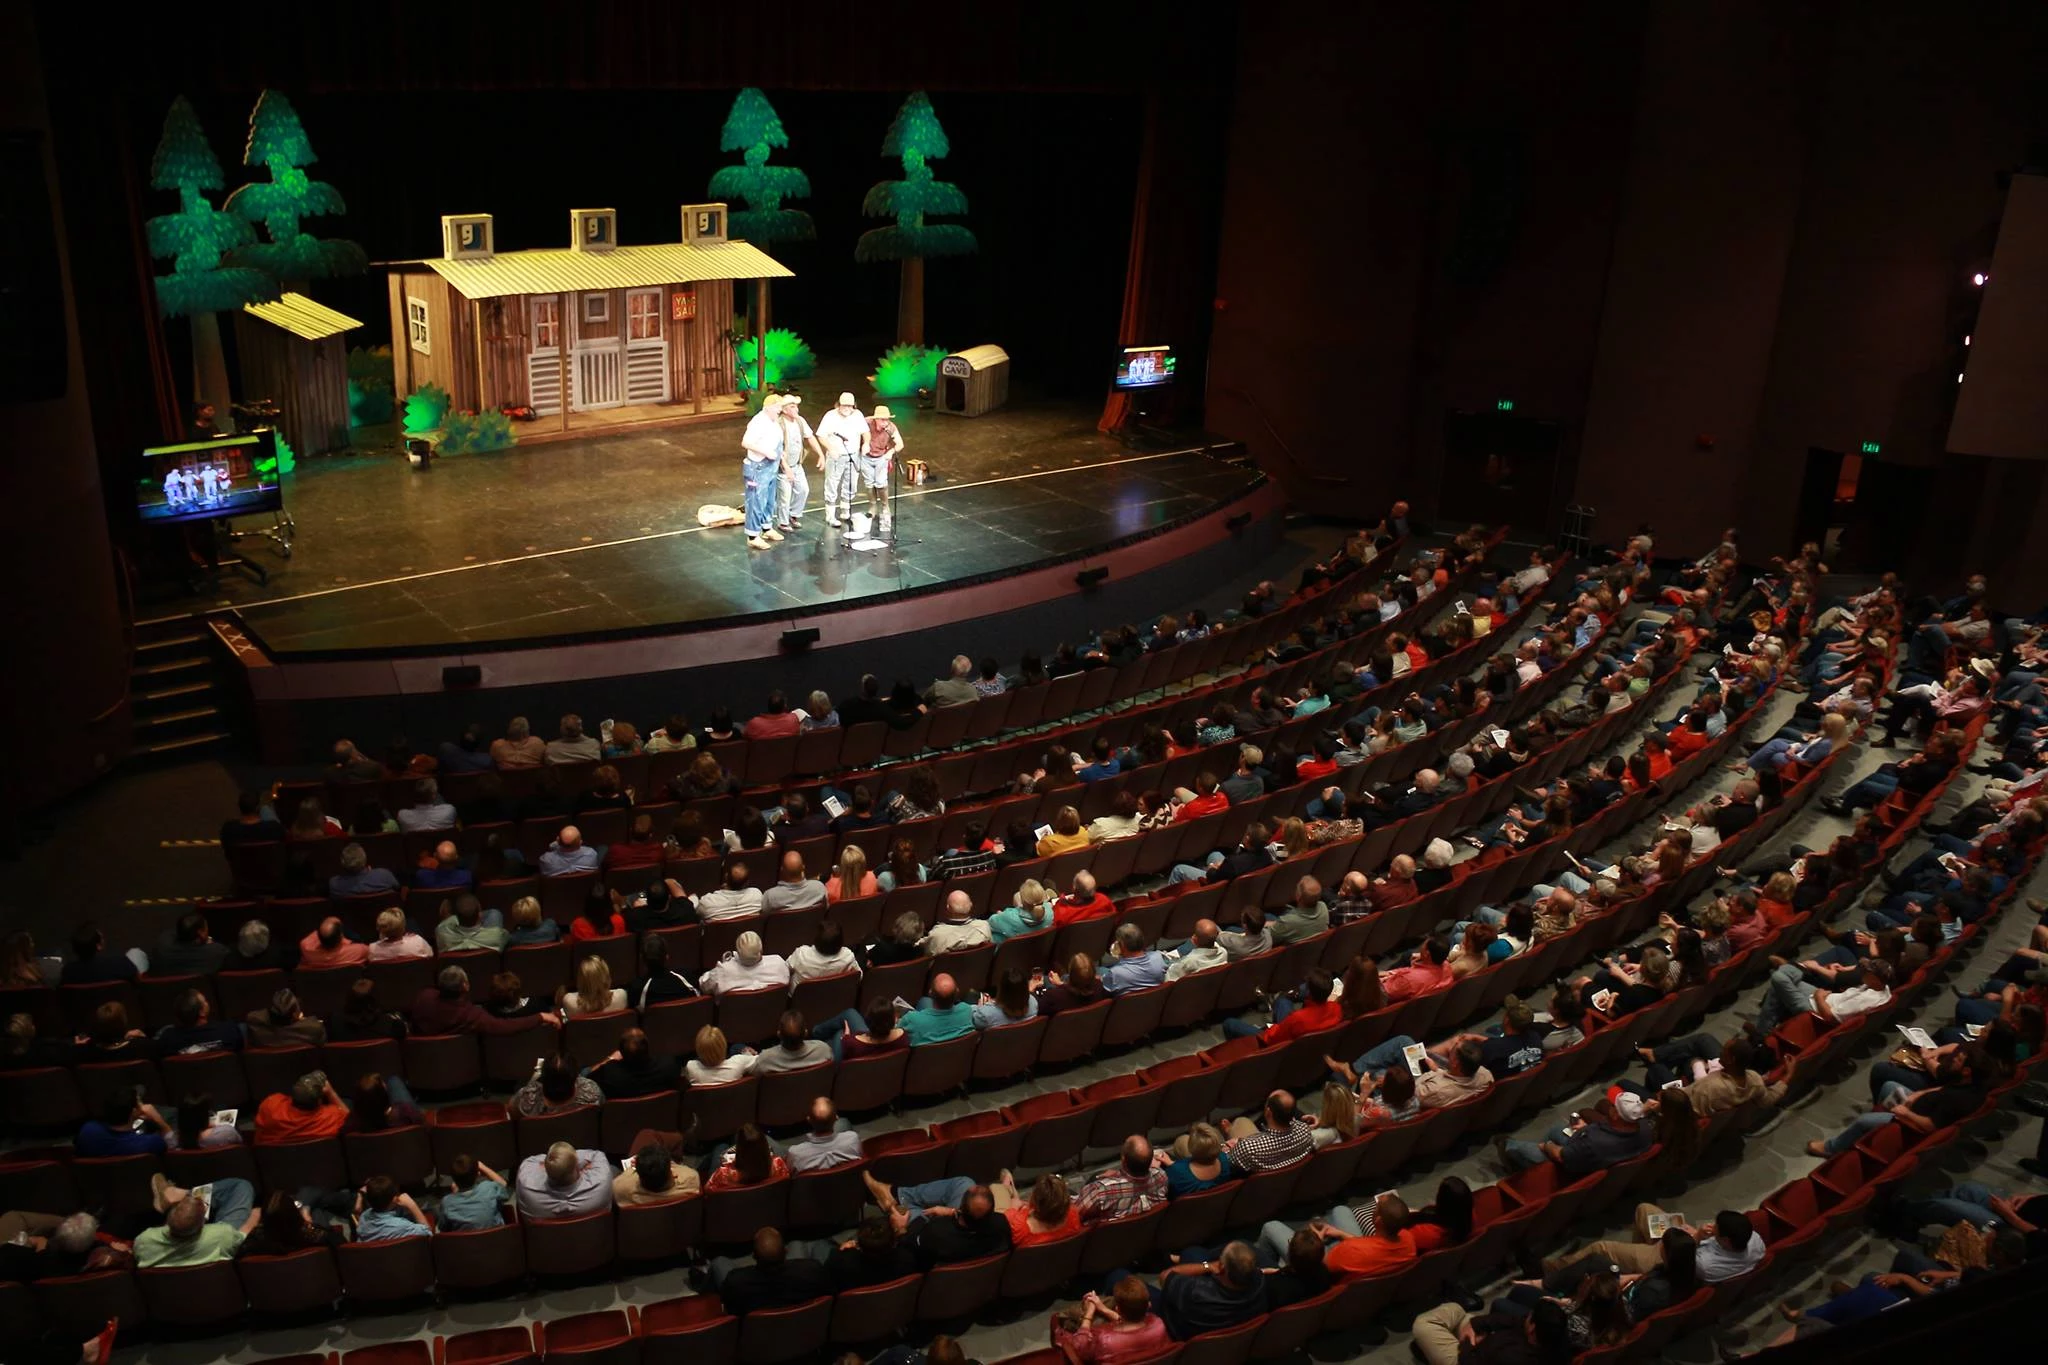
451,361
507,340
700,352
309,380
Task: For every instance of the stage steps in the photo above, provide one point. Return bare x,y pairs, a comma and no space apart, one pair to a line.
176,693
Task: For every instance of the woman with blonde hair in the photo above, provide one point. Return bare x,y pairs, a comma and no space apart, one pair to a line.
851,878
18,965
1206,1163
1027,916
310,821
715,1063
526,925
594,993
1337,1120
395,940
1292,839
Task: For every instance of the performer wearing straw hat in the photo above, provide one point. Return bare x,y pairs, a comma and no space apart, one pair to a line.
845,434
793,489
761,465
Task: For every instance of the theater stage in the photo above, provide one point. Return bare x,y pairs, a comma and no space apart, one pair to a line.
595,538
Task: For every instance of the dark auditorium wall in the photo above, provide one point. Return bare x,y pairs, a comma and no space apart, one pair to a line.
1747,222
66,680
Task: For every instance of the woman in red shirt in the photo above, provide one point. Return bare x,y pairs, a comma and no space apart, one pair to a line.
598,919
1122,1329
1048,1214
1774,902
750,1162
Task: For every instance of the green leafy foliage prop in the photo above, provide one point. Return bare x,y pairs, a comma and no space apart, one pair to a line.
906,367
281,463
754,130
198,235
473,433
426,409
278,144
917,139
789,357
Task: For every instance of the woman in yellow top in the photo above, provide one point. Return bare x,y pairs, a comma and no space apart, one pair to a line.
1066,834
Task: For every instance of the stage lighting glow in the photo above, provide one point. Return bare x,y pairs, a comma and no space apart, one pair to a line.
1966,338
1979,279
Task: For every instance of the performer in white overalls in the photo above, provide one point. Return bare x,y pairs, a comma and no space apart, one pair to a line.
845,434
793,488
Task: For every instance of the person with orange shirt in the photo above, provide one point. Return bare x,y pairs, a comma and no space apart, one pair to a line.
310,1109
1774,901
1293,1018
1658,752
1352,1250
1047,1214
1206,799
1689,736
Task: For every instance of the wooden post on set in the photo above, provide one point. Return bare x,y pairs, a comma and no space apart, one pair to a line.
562,351
761,338
476,314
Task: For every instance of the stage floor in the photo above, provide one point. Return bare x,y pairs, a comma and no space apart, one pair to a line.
599,535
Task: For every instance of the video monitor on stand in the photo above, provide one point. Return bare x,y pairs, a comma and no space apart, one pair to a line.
210,481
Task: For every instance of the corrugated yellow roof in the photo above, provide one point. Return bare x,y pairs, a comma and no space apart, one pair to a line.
561,270
302,317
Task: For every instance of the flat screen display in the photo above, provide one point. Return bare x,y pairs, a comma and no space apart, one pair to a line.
1144,367
227,476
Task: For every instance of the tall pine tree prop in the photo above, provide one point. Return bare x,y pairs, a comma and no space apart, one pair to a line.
194,239
916,137
754,130
278,144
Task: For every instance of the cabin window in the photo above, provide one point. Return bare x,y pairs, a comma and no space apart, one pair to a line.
416,332
547,323
643,315
597,307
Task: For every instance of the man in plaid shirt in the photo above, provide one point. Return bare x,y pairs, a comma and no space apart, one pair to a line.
1278,1140
1134,1185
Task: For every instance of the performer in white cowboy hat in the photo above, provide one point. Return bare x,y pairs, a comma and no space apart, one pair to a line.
885,442
793,488
761,448
845,435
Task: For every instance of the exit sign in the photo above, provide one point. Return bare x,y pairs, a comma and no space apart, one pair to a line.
1871,447
1503,405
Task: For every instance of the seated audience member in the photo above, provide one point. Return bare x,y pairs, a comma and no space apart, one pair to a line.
197,1030
1010,1003
1135,1185
1297,1013
572,745
1727,1247
735,899
1248,937
717,1062
1078,987
1110,1331
478,1199
92,963
1425,971
283,1023
563,1183
395,939
310,1109
520,748
1352,1248
381,1103
189,949
1280,1137
1611,1132
255,822
943,1221
1450,1334
445,1007
653,1175
750,1160
794,1049
465,928
1082,902
662,904
1134,964
853,1034
824,956
826,1143
329,946
427,811
257,951
1955,1091
1789,994
747,967
569,854
597,918
554,1088
1030,913
526,926
1305,916
941,1016
1203,952
200,1230
386,1214
594,992
634,1069
797,890
957,928
774,1279
1197,1162
776,721
1207,1296
358,878
126,1127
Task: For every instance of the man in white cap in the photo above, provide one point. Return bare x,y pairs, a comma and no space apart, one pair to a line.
845,434
885,442
761,463
793,489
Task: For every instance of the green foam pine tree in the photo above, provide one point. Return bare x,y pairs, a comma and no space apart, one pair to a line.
916,138
279,145
754,130
197,235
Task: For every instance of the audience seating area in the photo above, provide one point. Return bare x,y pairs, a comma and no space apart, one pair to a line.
1050,1130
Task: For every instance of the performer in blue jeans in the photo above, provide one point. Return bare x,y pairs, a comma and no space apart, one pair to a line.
762,468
